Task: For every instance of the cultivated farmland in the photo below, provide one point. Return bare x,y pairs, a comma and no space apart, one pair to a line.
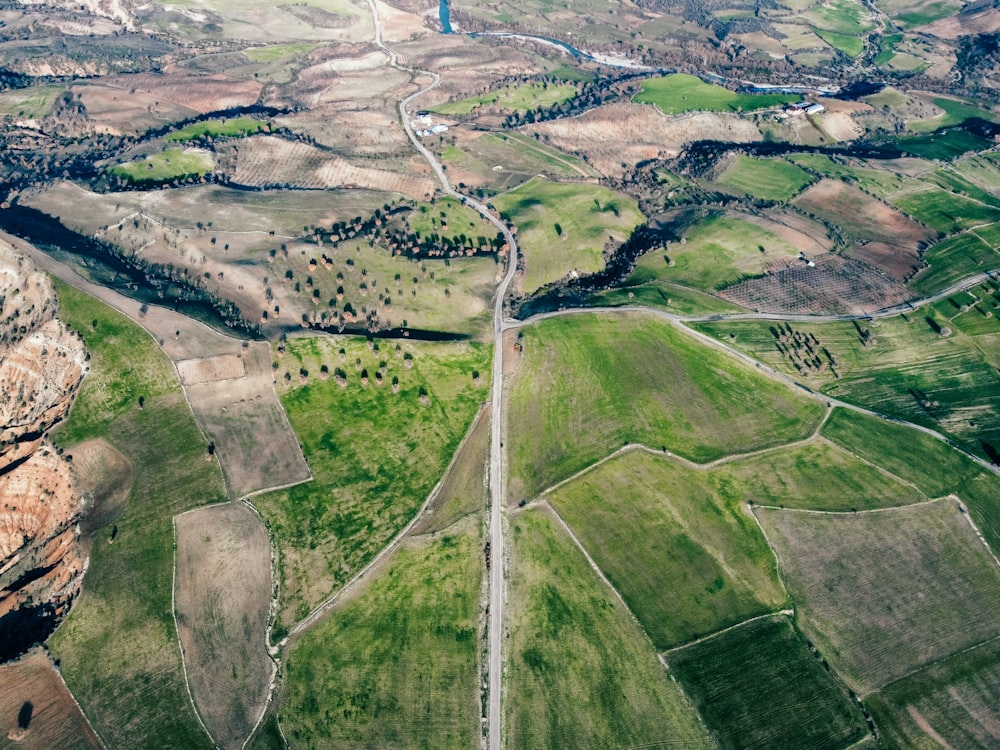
588,384
396,665
758,686
884,592
222,593
769,179
580,671
687,562
683,93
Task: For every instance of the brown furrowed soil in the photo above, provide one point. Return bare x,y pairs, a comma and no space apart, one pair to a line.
55,719
199,93
223,591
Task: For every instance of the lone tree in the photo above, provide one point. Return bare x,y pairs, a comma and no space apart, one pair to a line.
24,715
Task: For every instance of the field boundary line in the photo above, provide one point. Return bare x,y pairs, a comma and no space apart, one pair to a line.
72,696
968,517
177,632
700,639
868,511
391,547
930,664
774,552
862,459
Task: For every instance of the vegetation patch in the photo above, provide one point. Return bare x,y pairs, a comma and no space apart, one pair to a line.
945,145
954,112
563,227
166,166
134,693
680,92
522,98
378,427
580,672
687,561
396,666
955,702
946,211
588,384
952,260
234,127
882,593
758,686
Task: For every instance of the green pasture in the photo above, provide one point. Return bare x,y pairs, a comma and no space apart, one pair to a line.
580,672
680,92
563,227
396,666
32,102
717,251
944,146
520,98
664,296
165,166
952,260
375,454
758,686
769,179
954,112
275,52
234,127
134,692
588,384
946,211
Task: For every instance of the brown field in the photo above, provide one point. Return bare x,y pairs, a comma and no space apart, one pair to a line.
103,473
805,234
399,25
356,77
199,93
463,489
222,596
114,110
267,161
56,720
835,285
962,24
361,132
891,242
884,592
633,133
211,369
256,445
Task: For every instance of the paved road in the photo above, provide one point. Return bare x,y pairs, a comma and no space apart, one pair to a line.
497,587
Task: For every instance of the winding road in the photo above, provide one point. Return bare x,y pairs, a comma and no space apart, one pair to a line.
497,586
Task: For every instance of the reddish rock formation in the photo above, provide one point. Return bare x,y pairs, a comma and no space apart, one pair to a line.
41,366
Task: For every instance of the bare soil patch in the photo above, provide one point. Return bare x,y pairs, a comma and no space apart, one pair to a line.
114,110
834,285
104,476
256,445
962,24
883,236
55,719
223,591
632,133
807,235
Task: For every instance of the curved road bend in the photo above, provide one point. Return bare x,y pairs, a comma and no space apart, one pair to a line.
496,478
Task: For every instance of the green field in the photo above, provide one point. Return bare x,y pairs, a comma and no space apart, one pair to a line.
275,52
850,44
32,102
395,666
952,260
716,252
664,296
885,592
234,127
955,113
172,164
679,92
946,211
899,366
447,217
959,698
522,98
945,146
588,384
134,692
580,672
758,686
846,17
687,561
375,454
562,227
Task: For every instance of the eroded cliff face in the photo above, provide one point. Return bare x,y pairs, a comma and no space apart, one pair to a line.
41,365
119,11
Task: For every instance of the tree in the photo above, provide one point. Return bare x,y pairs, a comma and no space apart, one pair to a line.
24,715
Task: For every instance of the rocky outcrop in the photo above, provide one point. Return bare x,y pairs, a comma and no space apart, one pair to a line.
41,365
